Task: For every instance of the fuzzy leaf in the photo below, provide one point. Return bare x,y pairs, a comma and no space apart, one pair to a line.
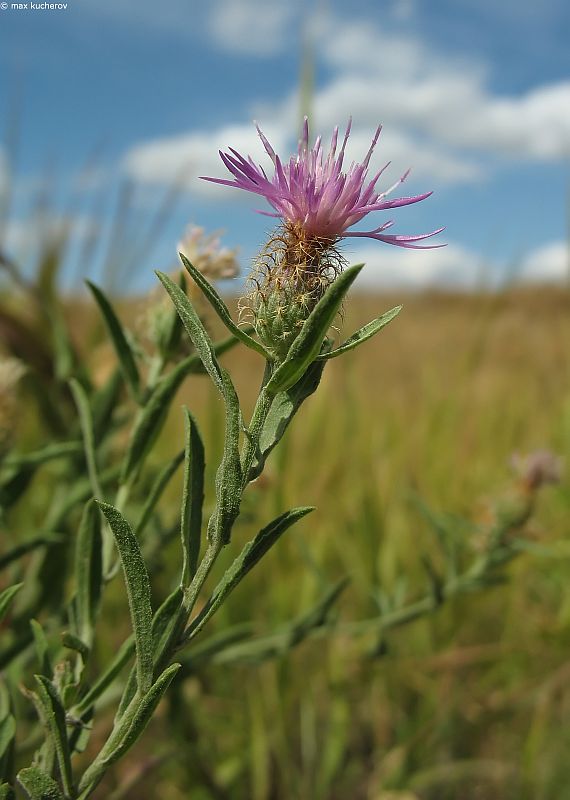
106,678
195,329
38,785
86,421
55,720
138,592
283,408
308,343
152,416
362,334
247,559
156,491
192,498
228,475
167,624
88,572
6,792
6,598
120,342
145,711
222,311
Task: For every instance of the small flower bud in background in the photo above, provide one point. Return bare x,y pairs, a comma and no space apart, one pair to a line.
205,252
537,469
11,370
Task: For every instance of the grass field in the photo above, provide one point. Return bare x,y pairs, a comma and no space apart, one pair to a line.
470,703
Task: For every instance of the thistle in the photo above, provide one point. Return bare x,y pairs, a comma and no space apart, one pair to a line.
317,203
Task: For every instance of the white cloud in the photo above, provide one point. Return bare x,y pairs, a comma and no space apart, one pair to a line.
184,158
251,27
399,80
389,267
549,263
454,266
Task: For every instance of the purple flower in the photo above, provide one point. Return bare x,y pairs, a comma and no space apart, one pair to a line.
312,194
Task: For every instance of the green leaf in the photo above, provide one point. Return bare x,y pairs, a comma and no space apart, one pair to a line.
362,334
222,311
38,785
106,678
195,329
134,727
138,592
29,546
120,342
55,720
283,408
42,648
152,416
6,792
88,572
247,559
308,343
6,598
45,454
156,491
86,421
229,474
7,734
192,498
144,713
167,625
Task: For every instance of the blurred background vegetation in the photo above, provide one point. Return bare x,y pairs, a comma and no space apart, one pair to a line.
415,430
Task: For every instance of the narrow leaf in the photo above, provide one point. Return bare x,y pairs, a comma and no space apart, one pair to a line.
6,598
42,648
88,572
138,592
192,498
86,421
152,416
222,311
156,491
167,625
247,559
120,342
308,343
7,733
55,719
38,785
29,546
362,334
283,408
195,329
144,713
229,474
106,678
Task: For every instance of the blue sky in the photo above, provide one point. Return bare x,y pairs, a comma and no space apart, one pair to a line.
474,95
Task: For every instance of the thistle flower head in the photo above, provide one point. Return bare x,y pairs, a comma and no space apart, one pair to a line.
313,193
317,201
